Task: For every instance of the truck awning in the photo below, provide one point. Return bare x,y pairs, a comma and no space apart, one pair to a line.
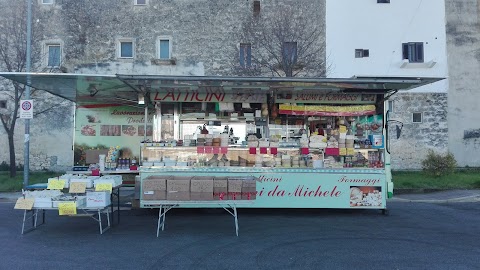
85,89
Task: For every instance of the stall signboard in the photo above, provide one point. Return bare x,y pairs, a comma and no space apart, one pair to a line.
112,126
243,96
326,98
316,190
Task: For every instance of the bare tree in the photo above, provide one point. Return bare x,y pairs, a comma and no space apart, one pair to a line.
13,48
283,40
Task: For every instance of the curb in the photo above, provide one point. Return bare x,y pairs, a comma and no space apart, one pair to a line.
474,198
400,191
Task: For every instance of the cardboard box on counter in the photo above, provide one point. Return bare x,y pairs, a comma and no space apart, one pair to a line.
249,189
178,189
201,196
201,185
154,188
201,188
178,195
220,188
235,189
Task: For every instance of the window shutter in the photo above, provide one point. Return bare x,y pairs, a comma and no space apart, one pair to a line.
54,56
164,49
242,55
405,50
249,55
419,49
126,49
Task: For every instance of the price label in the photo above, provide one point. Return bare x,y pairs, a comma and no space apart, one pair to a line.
104,187
67,208
77,187
24,203
56,184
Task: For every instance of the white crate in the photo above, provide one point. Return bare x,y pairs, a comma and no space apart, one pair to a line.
89,182
116,178
42,203
98,199
80,202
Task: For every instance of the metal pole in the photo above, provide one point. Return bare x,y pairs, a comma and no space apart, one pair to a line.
26,151
145,124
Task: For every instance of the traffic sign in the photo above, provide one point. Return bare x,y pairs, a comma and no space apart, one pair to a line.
26,109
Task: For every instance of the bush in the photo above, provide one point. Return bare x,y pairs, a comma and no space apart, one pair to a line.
438,165
4,166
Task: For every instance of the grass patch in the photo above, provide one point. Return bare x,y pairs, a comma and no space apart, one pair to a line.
8,184
461,179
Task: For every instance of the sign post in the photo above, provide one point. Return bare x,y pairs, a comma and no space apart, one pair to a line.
26,109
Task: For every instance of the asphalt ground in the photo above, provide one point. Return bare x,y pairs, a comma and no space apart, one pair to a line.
416,235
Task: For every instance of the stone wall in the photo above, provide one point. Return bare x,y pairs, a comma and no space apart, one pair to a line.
204,33
204,36
51,139
416,139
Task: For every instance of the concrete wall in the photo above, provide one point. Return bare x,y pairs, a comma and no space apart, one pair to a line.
463,43
382,28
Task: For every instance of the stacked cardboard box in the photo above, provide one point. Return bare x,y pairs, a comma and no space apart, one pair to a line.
249,189
178,188
235,188
220,188
198,188
155,188
201,188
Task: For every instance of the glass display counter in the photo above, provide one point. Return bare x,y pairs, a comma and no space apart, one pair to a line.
288,178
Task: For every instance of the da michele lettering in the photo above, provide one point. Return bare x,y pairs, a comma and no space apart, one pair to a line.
301,191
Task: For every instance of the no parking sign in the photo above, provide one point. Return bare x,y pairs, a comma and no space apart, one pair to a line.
26,109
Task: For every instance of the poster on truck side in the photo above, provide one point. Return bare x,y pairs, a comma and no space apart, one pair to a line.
112,126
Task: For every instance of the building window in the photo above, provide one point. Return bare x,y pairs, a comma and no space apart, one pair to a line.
54,55
383,1
256,7
417,117
245,55
47,2
289,53
140,2
164,48
413,51
3,104
125,49
360,53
